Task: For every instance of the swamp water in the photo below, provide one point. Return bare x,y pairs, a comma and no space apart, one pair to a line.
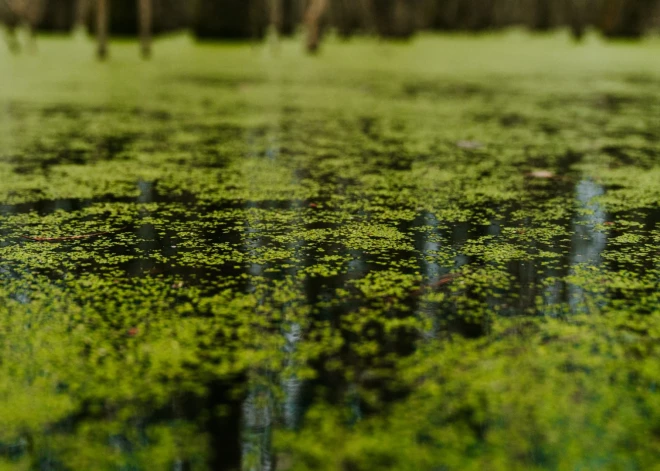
442,255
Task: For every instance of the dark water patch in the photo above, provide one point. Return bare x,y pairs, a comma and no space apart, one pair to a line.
212,132
40,157
641,79
516,120
217,204
153,115
367,125
112,146
21,109
651,219
218,81
651,135
561,165
510,120
209,158
444,90
72,112
623,155
608,102
614,102
148,193
81,111
44,207
151,192
550,128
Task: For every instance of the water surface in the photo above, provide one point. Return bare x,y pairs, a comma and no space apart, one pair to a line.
380,258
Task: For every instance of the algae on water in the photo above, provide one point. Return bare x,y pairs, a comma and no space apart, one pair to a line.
442,255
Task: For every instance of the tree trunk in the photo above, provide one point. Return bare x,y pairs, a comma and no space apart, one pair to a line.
102,21
146,18
316,10
83,10
276,12
577,17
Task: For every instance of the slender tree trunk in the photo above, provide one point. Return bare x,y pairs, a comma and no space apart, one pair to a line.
146,20
577,12
313,17
102,18
276,16
366,12
33,14
82,14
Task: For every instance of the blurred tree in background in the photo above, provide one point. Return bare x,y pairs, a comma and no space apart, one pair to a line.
168,16
398,19
230,19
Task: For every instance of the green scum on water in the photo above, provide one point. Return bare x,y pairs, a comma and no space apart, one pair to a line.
442,255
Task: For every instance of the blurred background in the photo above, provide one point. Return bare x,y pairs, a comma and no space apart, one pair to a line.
399,19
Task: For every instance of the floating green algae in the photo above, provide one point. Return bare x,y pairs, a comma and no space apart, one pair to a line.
441,255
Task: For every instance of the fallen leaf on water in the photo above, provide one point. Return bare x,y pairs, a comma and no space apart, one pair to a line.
444,280
541,174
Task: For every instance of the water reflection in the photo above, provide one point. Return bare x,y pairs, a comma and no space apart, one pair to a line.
587,243
428,244
240,414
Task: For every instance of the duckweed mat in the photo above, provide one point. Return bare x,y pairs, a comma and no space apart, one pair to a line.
442,255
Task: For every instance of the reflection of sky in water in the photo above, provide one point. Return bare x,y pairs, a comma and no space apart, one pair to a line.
587,244
291,385
257,430
428,244
261,409
257,409
460,235
430,269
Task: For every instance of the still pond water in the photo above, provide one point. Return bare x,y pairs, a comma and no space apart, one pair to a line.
442,255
